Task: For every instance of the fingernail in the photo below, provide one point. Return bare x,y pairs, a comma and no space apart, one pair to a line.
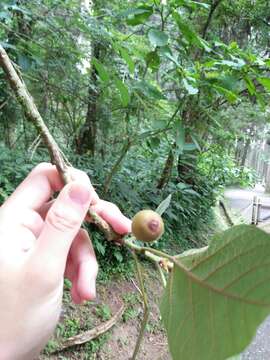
79,194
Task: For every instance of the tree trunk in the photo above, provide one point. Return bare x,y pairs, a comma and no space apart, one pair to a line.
245,152
86,141
167,171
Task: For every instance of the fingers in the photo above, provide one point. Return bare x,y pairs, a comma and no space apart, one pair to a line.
82,268
112,215
62,224
39,186
36,189
43,210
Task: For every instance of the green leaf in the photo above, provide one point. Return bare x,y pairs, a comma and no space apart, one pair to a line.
250,85
139,15
265,82
100,248
102,72
180,136
126,57
157,37
149,90
182,186
204,5
118,256
190,147
217,296
123,90
153,60
235,64
189,34
190,87
164,205
166,51
230,96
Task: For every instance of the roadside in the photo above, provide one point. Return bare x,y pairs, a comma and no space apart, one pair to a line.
240,202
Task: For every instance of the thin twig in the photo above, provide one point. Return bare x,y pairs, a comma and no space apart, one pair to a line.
3,104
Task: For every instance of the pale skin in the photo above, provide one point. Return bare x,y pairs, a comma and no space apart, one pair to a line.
41,242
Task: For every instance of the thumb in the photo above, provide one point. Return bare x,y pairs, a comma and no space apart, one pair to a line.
63,222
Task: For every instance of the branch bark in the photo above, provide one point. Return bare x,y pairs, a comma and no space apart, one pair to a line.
58,158
210,16
91,334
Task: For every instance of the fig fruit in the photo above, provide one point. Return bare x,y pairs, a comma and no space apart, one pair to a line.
147,226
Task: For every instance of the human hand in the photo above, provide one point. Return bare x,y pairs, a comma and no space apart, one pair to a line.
40,242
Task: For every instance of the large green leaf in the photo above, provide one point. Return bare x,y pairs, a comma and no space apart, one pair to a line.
180,136
230,96
139,15
163,206
265,82
153,60
127,58
217,296
102,72
190,86
123,90
189,34
157,37
149,90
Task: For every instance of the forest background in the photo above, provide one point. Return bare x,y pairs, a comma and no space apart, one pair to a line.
151,99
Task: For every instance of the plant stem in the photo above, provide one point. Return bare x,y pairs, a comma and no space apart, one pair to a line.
146,307
116,166
152,254
162,277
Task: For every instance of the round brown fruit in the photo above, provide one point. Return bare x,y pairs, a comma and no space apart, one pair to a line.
147,226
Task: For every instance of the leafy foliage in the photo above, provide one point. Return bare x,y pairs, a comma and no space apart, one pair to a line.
152,99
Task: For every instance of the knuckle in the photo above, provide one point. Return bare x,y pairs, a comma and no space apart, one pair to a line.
63,220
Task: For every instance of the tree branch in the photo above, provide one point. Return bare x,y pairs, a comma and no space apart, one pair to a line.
33,115
91,334
59,160
210,16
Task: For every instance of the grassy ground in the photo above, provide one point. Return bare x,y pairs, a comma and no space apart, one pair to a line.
118,344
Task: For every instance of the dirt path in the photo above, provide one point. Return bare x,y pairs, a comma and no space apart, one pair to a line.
119,343
241,201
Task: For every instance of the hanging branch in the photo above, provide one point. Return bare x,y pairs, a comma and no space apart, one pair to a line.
33,115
